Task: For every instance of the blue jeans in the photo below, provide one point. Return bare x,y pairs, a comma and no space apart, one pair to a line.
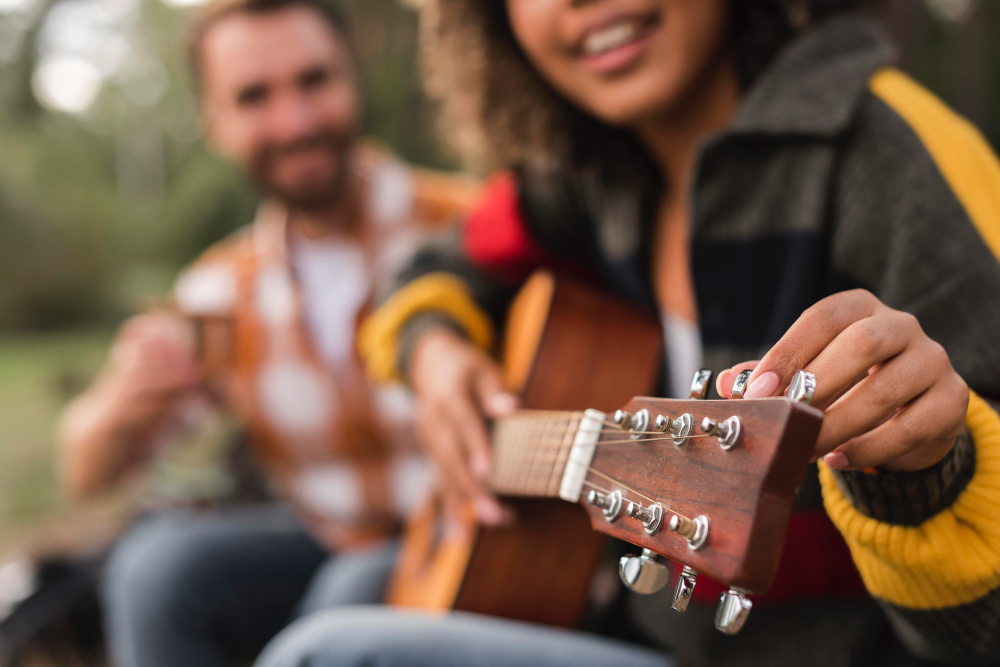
209,589
367,636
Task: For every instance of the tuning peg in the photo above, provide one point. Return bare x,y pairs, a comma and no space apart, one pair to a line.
611,503
651,517
695,530
740,384
728,431
700,384
732,612
680,428
684,589
802,387
643,574
637,423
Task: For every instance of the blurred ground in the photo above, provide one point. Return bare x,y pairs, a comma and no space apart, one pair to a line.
38,373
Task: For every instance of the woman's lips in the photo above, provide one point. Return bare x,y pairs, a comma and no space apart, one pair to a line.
616,44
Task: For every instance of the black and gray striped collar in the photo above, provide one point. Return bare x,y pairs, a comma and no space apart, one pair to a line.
815,84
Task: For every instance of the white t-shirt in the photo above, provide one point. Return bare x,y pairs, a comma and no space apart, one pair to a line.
683,342
335,282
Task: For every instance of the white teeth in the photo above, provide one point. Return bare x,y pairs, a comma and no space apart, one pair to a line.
611,37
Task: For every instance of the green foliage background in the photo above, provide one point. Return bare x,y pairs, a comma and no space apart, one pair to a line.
86,236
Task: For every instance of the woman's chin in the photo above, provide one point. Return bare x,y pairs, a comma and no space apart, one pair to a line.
629,103
621,114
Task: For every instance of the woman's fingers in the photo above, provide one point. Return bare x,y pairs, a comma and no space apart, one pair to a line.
446,449
915,438
459,445
724,383
889,393
874,400
861,346
471,429
815,329
458,386
487,385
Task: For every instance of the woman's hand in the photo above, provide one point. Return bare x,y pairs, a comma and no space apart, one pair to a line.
889,393
458,387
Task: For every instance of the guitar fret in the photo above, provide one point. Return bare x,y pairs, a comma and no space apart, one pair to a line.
530,450
534,481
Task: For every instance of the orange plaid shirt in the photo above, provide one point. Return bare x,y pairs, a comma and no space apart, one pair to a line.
339,448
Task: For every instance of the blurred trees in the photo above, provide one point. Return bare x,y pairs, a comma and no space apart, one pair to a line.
99,209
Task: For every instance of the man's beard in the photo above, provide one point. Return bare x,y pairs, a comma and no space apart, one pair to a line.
311,197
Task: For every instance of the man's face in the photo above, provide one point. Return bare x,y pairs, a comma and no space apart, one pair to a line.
281,100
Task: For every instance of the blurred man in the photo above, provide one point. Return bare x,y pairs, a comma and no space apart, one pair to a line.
264,326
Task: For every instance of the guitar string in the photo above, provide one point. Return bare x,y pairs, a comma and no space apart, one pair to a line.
598,487
666,508
546,424
627,441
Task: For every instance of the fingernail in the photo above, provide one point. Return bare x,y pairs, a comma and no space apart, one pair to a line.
837,461
488,510
480,466
763,386
503,404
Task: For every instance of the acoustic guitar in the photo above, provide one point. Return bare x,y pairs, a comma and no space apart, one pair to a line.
708,484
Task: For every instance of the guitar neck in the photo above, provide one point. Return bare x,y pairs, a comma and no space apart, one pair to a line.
532,448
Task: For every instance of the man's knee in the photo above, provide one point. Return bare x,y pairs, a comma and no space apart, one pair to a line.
149,567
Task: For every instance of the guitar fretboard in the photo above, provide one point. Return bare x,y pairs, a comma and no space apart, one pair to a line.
530,450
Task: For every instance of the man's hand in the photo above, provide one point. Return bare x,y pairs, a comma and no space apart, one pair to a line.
151,363
105,431
458,387
889,393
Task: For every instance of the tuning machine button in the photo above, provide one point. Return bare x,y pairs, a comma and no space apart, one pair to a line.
651,517
700,384
684,589
740,384
802,387
643,574
728,431
637,423
611,503
732,612
680,428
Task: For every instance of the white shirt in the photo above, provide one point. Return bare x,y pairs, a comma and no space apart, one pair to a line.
683,342
335,283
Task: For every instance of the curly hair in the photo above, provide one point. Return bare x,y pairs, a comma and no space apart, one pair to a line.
498,111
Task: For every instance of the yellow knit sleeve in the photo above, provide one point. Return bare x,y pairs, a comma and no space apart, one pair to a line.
378,337
952,558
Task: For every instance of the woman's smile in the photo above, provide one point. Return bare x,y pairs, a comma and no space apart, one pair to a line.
615,44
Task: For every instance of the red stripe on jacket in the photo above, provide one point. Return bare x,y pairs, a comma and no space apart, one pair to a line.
495,238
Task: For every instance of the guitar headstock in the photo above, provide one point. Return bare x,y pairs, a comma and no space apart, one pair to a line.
709,484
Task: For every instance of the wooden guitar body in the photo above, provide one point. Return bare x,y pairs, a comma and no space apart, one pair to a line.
566,348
